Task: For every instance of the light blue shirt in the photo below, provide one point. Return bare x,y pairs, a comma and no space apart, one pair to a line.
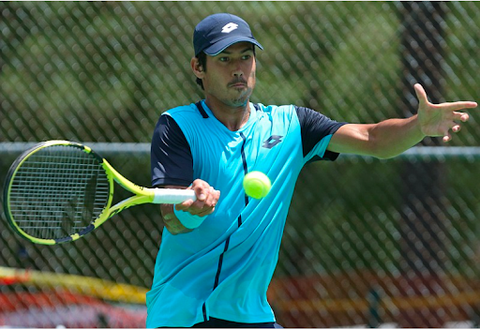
222,269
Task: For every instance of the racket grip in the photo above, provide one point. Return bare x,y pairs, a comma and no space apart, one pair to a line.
173,196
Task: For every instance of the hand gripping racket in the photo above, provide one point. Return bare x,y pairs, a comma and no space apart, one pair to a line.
59,191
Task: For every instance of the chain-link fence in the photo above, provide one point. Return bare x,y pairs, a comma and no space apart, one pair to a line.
367,242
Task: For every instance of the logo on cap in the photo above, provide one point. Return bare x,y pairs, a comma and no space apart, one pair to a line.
229,27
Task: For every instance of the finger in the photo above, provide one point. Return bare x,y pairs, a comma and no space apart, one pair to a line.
215,194
206,212
447,138
210,203
185,205
459,105
201,189
456,128
201,192
211,200
201,209
194,209
462,116
202,202
421,94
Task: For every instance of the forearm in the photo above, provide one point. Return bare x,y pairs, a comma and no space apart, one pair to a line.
394,136
386,139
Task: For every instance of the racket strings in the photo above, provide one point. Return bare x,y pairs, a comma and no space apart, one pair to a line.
58,191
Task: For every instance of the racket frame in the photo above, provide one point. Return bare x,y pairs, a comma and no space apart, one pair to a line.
142,195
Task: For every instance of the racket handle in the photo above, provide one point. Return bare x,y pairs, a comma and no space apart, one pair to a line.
173,196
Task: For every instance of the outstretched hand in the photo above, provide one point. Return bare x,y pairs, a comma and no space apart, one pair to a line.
441,119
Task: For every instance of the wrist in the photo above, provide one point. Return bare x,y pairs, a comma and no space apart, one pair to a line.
188,220
418,127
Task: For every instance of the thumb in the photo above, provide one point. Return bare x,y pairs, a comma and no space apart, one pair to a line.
421,94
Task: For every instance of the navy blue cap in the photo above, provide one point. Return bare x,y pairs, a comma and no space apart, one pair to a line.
219,31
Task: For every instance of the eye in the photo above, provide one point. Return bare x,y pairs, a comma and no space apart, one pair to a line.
246,57
223,59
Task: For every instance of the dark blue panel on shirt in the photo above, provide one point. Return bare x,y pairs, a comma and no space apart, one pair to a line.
171,157
314,127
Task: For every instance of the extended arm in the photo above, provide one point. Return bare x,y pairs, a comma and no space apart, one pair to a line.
393,136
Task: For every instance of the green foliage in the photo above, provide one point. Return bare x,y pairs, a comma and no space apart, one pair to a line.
105,71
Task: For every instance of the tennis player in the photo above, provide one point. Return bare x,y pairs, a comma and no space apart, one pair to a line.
219,253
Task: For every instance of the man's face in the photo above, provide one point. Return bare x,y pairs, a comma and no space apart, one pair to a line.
230,76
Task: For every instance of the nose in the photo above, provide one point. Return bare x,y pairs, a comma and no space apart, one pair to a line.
238,73
237,69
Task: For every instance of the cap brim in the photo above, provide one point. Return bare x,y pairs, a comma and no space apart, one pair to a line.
220,46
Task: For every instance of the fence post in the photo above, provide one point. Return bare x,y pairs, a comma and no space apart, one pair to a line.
421,226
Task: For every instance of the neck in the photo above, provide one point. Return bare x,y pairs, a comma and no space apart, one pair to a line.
233,117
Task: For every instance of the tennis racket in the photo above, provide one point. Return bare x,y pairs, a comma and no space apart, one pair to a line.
59,191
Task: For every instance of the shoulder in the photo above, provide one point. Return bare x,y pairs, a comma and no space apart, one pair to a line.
278,112
293,113
183,111
274,108
305,115
314,119
186,117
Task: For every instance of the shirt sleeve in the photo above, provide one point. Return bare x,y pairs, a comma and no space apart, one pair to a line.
171,157
315,127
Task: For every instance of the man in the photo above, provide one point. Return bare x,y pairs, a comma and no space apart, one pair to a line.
219,252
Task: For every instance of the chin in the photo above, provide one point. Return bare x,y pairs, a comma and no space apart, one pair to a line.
240,102
242,99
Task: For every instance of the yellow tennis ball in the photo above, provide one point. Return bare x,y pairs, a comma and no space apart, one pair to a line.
256,184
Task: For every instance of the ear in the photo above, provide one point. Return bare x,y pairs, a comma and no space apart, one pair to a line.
197,68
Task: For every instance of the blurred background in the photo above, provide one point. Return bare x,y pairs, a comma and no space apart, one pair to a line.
368,243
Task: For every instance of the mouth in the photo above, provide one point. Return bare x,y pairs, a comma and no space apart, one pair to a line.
238,84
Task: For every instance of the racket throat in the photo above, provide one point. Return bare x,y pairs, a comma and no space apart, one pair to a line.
129,202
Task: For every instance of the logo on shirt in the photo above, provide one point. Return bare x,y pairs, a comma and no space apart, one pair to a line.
272,141
229,27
